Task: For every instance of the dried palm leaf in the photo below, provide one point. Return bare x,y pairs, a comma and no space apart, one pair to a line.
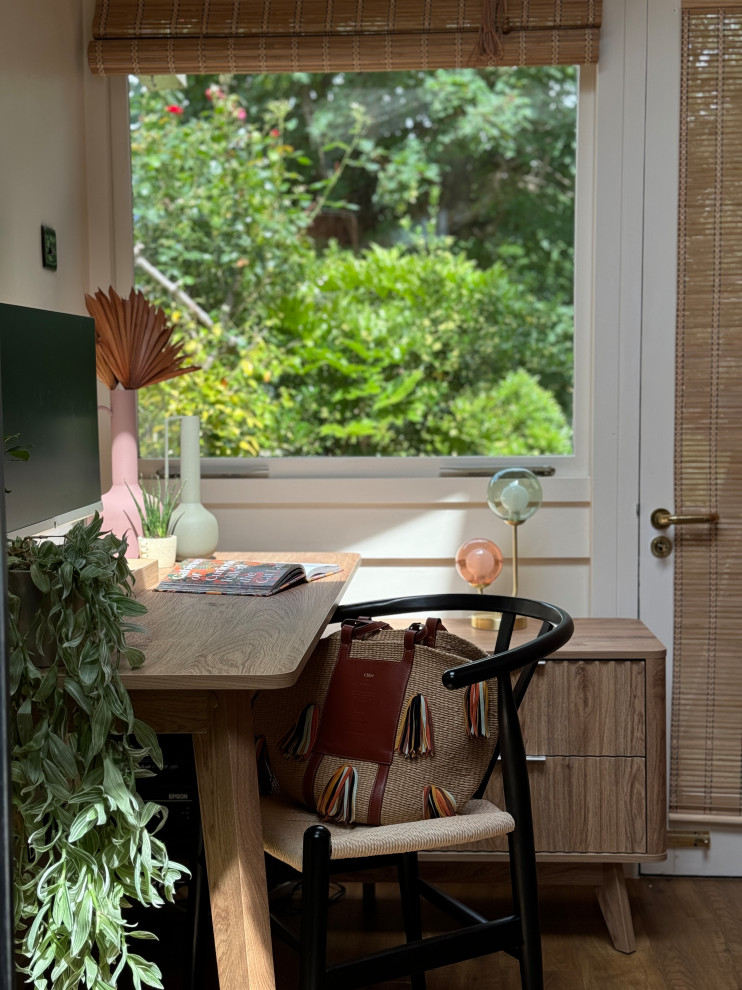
132,341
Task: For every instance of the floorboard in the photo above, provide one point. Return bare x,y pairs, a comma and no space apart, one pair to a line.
688,933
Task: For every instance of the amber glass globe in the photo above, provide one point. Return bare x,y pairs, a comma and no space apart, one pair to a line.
478,562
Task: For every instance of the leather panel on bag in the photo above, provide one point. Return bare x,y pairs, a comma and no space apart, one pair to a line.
362,709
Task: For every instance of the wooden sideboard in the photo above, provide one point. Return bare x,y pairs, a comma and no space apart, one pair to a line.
594,728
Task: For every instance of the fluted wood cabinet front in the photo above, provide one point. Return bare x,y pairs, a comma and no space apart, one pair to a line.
575,809
593,724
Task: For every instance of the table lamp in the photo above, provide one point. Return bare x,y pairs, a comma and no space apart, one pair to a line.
514,495
479,562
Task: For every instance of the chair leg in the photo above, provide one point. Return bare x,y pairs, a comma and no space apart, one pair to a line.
369,901
525,895
315,894
410,897
520,842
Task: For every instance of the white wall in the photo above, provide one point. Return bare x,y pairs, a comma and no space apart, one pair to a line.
408,530
58,161
43,176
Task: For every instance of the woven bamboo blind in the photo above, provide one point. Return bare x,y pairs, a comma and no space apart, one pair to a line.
706,747
246,36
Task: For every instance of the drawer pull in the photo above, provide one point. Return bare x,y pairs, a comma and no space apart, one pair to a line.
531,759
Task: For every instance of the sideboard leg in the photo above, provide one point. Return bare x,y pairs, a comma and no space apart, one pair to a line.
613,899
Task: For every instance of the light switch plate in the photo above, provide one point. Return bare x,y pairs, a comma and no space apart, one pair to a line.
49,248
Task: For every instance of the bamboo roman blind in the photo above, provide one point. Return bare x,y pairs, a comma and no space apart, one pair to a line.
153,37
706,736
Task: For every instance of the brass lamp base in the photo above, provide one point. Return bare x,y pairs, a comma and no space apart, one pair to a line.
491,620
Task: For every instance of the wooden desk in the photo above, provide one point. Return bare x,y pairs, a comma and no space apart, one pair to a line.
205,656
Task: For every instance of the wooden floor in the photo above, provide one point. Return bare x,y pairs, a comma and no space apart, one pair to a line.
688,933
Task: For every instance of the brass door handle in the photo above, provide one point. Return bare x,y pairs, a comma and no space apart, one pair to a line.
662,518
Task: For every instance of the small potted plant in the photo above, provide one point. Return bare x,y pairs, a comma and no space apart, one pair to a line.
156,516
85,842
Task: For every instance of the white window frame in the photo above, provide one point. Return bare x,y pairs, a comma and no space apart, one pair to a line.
575,465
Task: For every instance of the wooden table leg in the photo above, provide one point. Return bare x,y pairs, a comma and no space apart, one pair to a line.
613,899
233,843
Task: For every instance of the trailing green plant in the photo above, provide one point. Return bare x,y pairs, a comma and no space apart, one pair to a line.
13,448
156,509
85,841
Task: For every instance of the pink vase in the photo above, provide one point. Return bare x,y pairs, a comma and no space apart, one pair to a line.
120,514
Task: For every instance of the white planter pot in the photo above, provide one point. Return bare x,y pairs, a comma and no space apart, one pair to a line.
161,548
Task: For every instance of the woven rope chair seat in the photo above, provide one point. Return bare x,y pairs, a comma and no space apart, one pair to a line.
284,826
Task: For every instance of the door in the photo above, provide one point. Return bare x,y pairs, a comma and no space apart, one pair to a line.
691,435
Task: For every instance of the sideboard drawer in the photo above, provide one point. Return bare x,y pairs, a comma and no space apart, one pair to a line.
585,708
582,805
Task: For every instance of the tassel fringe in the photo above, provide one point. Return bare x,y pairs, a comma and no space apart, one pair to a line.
415,734
338,800
299,741
476,710
266,779
438,803
492,28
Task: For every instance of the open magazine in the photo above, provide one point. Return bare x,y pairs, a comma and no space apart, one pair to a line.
240,577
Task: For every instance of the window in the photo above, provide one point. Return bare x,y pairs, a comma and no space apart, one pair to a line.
366,265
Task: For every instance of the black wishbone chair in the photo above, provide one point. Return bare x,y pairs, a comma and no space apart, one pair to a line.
296,837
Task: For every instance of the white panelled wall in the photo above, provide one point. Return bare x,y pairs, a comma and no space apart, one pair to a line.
408,530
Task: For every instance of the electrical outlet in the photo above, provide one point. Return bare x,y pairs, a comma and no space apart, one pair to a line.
49,248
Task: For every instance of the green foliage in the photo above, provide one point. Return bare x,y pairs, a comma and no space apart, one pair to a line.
387,353
390,349
156,509
517,418
85,842
12,447
489,154
220,200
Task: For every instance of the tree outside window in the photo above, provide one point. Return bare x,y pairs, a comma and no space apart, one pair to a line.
376,264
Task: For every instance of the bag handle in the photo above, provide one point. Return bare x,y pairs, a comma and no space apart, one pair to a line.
363,627
360,628
426,633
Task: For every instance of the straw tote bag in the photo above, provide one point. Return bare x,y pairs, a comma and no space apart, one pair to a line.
369,734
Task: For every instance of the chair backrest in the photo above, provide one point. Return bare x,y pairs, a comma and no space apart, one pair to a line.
554,631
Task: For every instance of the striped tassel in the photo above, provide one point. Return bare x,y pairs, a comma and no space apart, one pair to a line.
476,710
415,734
298,742
266,779
338,800
438,803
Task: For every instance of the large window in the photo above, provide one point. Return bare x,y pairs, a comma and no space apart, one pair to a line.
364,265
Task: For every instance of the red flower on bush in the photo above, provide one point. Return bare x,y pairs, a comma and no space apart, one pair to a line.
275,132
174,109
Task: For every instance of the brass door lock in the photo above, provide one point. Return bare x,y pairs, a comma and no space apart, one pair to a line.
661,546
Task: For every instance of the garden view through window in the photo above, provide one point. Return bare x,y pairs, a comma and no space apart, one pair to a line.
370,264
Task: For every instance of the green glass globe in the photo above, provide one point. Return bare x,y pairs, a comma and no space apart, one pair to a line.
514,494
